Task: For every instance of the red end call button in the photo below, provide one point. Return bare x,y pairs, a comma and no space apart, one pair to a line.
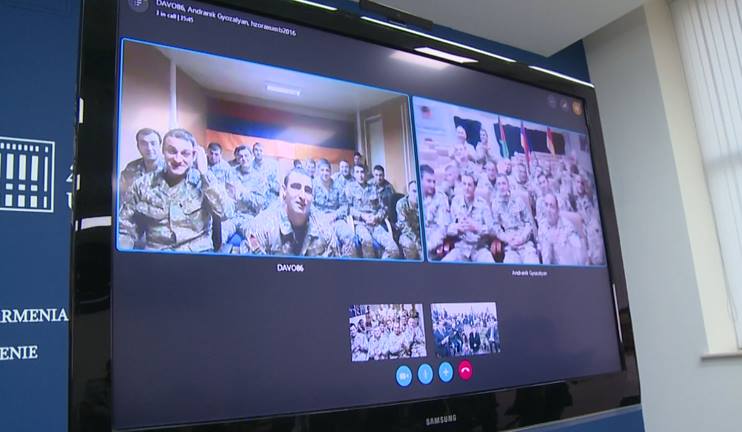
465,370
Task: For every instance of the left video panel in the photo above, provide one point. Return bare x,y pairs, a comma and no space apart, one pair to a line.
217,155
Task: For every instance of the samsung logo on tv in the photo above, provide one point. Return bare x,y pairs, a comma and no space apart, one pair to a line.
13,316
430,421
294,268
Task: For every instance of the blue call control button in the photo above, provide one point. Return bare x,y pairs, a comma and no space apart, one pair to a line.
425,373
404,376
445,371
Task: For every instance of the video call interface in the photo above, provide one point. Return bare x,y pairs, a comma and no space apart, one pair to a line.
307,222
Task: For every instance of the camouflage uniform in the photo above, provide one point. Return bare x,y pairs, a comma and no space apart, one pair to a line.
416,338
268,170
408,223
133,171
450,190
377,348
512,216
560,243
271,233
250,191
386,194
176,218
364,200
595,243
397,345
341,182
330,210
471,246
437,217
223,172
359,347
486,187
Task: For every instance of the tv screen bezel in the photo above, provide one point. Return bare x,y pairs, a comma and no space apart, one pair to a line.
92,249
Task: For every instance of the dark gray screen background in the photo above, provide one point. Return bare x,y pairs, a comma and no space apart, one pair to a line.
205,338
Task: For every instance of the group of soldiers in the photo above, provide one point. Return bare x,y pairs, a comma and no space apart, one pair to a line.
176,194
379,332
465,334
540,208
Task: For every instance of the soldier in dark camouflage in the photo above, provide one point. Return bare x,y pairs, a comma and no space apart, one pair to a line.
408,222
173,207
384,189
368,215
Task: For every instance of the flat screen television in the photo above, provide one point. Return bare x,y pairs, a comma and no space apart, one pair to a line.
295,218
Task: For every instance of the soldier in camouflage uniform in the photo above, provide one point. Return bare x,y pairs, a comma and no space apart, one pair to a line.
397,343
368,214
436,211
486,182
416,338
149,146
250,191
268,170
471,220
173,206
289,227
408,223
358,344
559,241
377,344
514,225
330,209
343,176
451,184
218,166
384,189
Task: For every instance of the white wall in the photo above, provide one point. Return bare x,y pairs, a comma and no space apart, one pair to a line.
669,244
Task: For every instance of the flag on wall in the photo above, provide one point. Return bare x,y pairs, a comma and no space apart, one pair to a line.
503,140
550,141
524,144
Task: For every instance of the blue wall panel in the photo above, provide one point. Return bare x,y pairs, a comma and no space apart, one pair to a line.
38,43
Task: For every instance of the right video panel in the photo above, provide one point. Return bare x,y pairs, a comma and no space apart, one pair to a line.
497,189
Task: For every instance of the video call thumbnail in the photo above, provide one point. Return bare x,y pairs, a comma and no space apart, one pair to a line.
386,331
465,329
500,189
243,158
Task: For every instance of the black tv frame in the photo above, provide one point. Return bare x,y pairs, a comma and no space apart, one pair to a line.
90,340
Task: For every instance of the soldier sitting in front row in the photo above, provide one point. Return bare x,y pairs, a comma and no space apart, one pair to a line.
470,221
173,206
290,228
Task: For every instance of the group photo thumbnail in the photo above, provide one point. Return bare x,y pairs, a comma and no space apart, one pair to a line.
218,155
464,329
386,331
501,190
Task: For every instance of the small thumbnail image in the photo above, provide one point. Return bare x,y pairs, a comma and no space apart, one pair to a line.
463,329
386,331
